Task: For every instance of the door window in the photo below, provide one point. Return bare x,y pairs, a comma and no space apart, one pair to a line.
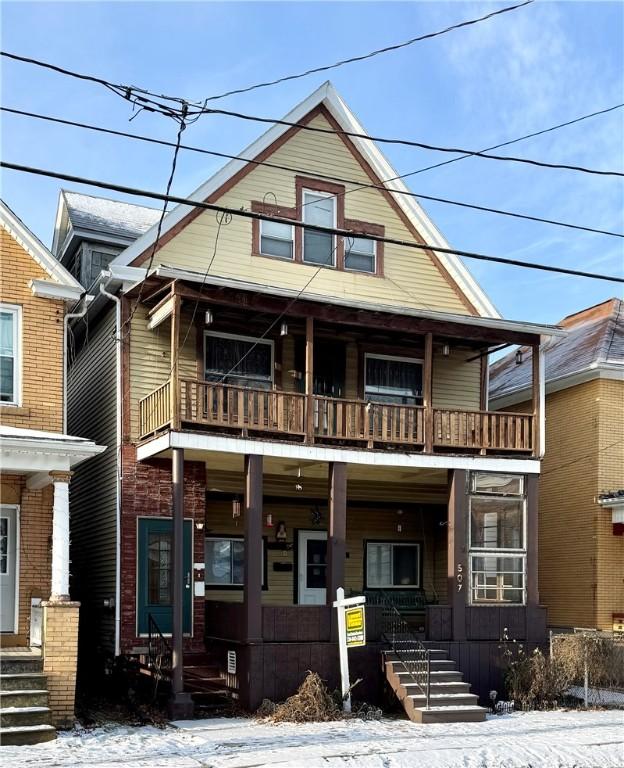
4,545
242,361
393,380
159,569
316,566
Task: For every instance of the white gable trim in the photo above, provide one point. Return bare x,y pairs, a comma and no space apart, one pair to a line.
37,250
327,95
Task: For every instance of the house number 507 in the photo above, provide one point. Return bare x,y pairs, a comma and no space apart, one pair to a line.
460,577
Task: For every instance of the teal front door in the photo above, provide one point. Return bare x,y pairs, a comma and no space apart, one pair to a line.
155,584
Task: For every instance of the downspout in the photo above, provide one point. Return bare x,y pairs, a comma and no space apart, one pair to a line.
66,318
119,423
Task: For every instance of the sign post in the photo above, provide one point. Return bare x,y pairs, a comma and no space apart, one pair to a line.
351,634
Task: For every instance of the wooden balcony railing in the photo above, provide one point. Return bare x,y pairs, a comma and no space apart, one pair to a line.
483,429
338,419
223,406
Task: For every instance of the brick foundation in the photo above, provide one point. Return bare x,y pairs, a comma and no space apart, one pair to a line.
146,492
60,653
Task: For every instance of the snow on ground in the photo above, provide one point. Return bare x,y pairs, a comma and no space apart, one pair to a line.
544,739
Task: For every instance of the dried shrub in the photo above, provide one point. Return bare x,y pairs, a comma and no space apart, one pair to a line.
535,681
313,703
601,655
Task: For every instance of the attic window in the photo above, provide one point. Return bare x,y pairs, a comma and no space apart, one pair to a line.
360,254
276,239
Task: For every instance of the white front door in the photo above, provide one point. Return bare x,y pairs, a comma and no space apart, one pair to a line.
8,567
312,558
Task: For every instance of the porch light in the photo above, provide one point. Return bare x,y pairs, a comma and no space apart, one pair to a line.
446,350
284,329
236,509
519,357
269,520
208,317
399,528
199,524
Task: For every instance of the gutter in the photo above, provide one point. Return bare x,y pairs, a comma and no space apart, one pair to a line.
119,422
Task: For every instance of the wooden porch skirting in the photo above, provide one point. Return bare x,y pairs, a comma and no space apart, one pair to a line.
300,638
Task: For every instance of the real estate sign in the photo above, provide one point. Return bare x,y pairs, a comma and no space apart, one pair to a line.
355,625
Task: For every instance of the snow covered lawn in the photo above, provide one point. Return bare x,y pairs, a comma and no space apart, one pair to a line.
537,739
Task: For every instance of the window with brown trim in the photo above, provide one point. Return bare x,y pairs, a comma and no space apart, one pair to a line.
318,202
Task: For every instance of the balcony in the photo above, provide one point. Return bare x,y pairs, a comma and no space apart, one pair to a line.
215,407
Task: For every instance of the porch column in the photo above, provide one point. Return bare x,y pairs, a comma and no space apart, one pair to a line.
309,379
457,559
532,527
60,537
337,532
174,388
252,589
180,703
428,392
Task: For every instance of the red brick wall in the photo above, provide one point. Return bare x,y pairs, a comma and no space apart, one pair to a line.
146,492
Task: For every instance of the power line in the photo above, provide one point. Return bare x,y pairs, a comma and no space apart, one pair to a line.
363,57
152,101
303,225
409,143
360,185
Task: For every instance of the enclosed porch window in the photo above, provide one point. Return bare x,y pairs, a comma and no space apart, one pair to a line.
497,538
391,565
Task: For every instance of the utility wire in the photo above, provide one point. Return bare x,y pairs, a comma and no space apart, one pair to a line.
153,101
303,225
410,143
363,57
174,163
360,185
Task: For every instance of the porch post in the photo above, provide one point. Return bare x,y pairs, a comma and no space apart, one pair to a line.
532,527
252,589
309,379
428,392
174,388
457,559
336,538
180,703
60,537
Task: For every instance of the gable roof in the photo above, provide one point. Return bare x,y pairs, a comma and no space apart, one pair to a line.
594,343
327,96
62,285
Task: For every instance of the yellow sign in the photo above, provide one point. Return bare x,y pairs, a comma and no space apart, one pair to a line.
618,622
355,626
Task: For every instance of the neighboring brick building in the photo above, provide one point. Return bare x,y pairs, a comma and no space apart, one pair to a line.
36,463
581,539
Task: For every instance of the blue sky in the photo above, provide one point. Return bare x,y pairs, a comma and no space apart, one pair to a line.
517,73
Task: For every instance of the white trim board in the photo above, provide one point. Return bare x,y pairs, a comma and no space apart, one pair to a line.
327,95
612,371
202,442
37,250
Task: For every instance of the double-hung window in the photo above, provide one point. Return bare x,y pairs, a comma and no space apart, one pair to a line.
319,247
360,254
238,360
390,379
276,239
225,561
9,354
392,565
497,538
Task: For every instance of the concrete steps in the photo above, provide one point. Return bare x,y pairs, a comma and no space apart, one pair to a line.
24,712
450,700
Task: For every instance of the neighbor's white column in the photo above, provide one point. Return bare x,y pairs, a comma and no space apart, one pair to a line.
60,537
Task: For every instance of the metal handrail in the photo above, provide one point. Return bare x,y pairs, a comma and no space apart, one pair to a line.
408,649
159,651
